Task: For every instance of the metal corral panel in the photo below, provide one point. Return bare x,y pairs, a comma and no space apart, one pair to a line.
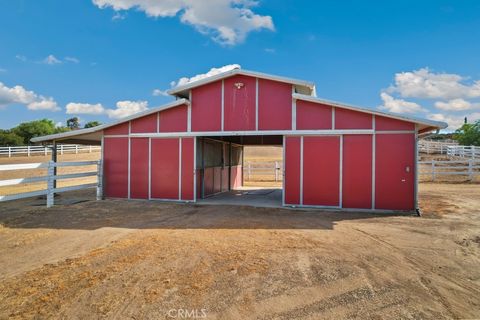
292,170
207,107
239,103
165,168
145,124
357,171
139,168
174,119
274,105
394,171
312,116
321,171
349,119
115,170
188,159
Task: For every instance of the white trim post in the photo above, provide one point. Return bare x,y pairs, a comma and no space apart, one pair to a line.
294,110
374,142
222,111
415,167
301,170
340,195
256,104
129,155
149,168
179,168
100,180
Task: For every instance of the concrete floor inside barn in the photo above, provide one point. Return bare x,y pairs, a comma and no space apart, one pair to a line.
266,197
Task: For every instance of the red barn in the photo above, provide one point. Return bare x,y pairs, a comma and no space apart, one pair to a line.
335,155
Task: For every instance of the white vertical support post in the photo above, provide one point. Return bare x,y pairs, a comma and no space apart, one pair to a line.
294,110
301,170
28,151
90,149
9,152
149,168
256,104
180,168
76,149
195,169
100,180
415,173
50,186
433,170
45,150
222,111
333,118
129,156
374,143
283,170
61,149
340,191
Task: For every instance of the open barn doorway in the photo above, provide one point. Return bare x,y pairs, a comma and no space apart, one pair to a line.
240,170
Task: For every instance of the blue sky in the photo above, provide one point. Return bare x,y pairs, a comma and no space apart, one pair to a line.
105,58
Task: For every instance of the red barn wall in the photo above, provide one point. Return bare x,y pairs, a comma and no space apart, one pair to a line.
239,103
174,119
207,107
274,105
115,170
139,158
313,116
292,170
147,124
188,168
165,168
349,119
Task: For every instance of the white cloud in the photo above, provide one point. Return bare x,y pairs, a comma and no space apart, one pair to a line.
51,59
84,108
127,108
214,71
398,105
456,105
3,70
226,21
118,16
425,84
454,121
72,59
158,92
19,95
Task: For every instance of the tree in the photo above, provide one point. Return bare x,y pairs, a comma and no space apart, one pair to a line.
92,124
73,123
8,138
468,134
29,130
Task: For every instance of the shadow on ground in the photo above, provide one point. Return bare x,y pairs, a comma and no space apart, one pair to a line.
77,210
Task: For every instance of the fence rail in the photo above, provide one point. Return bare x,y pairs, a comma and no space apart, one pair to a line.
265,171
50,178
434,169
472,152
430,146
45,150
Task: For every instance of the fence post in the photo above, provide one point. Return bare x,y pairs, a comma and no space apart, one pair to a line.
9,152
433,170
276,171
76,148
470,169
45,150
28,151
90,149
50,187
61,149
100,180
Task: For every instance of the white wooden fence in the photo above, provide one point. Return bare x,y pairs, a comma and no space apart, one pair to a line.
434,169
266,171
431,146
45,150
50,178
472,152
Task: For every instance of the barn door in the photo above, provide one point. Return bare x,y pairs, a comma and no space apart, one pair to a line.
394,171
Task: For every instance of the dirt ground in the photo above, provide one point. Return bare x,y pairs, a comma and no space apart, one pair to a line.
120,259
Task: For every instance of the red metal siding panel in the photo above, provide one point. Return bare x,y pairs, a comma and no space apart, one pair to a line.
174,119
188,159
121,128
145,124
139,168
225,179
165,168
116,167
239,103
292,170
394,186
206,107
236,177
387,124
349,119
357,172
274,105
217,179
321,171
311,116
208,185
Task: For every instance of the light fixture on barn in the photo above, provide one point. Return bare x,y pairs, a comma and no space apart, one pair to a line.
239,85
